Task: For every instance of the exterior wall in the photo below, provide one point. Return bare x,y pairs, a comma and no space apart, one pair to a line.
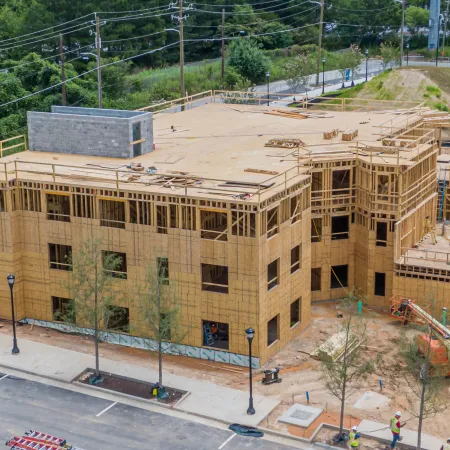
277,301
424,291
82,133
25,236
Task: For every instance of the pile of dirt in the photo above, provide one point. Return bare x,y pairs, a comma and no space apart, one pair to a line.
425,84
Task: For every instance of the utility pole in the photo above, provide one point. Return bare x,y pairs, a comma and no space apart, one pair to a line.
63,73
98,46
223,43
401,33
181,18
319,50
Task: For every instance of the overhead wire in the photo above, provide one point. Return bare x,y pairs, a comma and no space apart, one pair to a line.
45,29
45,39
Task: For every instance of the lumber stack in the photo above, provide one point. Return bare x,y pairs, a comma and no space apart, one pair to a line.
284,143
349,135
286,113
330,134
334,348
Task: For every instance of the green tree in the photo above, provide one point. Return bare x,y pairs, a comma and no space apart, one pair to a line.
159,311
354,60
94,292
416,18
390,55
298,69
248,59
343,376
426,383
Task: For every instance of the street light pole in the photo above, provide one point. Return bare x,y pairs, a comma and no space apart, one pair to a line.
407,54
367,63
319,50
401,32
98,46
250,332
11,279
85,57
268,88
323,75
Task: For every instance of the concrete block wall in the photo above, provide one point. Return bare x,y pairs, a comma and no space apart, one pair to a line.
88,131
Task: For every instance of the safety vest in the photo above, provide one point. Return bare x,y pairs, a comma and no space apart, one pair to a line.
352,439
446,446
394,427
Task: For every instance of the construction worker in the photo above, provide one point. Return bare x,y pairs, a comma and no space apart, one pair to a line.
446,446
395,428
353,437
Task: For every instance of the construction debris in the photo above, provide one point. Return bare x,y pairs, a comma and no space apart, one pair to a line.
265,172
285,113
333,349
285,143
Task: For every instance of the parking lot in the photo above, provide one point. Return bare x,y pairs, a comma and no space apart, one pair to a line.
92,423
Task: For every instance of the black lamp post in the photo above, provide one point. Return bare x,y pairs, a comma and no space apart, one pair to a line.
407,54
367,63
11,279
250,332
323,75
268,87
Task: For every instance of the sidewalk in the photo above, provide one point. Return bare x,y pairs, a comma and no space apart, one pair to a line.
206,399
381,431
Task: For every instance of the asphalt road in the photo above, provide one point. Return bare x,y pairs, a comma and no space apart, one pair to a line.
87,423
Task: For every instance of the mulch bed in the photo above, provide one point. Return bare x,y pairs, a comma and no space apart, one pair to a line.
326,435
130,386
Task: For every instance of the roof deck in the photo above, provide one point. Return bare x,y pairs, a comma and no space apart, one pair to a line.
221,150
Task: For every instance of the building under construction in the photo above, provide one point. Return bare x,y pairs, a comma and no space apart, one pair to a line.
256,211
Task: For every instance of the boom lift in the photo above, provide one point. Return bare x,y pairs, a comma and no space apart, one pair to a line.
405,310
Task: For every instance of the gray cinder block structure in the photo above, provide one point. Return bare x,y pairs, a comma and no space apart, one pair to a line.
91,131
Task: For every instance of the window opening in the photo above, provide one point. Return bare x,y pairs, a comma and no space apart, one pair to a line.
273,332
215,278
216,335
58,207
273,274
339,228
339,276
60,256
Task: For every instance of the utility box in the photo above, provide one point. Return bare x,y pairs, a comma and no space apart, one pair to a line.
91,131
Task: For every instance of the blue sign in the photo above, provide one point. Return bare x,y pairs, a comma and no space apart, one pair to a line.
347,74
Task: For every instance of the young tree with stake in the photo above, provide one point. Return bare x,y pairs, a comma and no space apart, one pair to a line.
159,311
91,287
426,382
344,376
298,71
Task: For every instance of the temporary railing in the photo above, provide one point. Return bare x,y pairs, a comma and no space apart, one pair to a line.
119,179
13,145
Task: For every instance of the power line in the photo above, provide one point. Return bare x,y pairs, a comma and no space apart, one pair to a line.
45,39
140,37
45,29
44,59
253,12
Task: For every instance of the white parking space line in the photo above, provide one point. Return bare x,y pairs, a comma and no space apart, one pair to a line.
106,409
3,377
226,442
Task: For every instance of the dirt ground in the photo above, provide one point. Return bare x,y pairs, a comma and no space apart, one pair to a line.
299,372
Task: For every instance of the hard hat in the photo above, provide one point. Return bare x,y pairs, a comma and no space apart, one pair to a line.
398,413
355,428
448,440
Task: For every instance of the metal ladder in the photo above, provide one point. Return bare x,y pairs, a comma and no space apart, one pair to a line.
442,183
428,229
208,334
35,440
44,438
25,443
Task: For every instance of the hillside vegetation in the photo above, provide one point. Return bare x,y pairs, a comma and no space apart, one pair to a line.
428,84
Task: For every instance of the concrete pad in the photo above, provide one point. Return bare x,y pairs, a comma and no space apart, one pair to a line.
300,415
372,400
206,399
382,431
